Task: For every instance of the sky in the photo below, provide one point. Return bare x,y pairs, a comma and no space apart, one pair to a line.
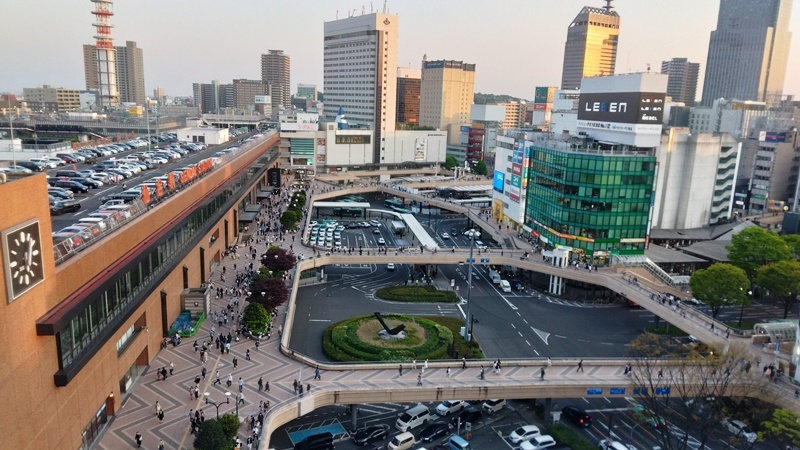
516,44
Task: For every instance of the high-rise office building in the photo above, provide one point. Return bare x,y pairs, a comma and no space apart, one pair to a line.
128,67
246,91
275,71
681,79
360,73
749,51
446,94
158,94
591,47
408,95
307,91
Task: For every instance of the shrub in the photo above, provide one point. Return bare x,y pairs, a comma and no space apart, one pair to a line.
256,318
417,294
564,435
212,437
230,425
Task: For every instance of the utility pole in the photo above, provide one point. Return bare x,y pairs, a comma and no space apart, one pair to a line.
468,321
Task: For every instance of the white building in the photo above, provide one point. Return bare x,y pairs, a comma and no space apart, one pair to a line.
446,93
739,118
360,73
696,179
207,135
298,146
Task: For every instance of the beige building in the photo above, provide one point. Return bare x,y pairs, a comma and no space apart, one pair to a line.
360,74
446,94
515,114
591,47
245,92
50,99
275,68
129,63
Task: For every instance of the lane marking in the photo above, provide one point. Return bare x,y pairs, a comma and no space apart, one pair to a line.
543,335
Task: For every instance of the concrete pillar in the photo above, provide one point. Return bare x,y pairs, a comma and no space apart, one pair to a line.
556,285
548,404
354,417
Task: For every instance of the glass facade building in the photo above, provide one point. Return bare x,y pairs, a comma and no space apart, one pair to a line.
596,202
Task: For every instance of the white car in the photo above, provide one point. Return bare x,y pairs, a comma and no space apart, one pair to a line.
472,233
445,236
375,223
450,406
390,266
524,433
538,443
381,241
739,428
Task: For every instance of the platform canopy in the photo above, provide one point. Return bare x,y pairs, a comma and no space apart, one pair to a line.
341,205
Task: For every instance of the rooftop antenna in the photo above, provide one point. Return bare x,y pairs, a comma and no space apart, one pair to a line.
385,6
648,67
363,9
371,8
337,14
608,6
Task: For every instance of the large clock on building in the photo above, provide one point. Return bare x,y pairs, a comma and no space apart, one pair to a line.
22,258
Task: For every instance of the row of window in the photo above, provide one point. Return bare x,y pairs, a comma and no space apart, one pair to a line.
109,306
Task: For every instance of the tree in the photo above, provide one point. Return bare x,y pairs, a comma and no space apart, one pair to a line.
720,285
275,292
230,425
211,436
450,163
277,259
784,427
686,388
793,241
480,168
289,219
255,317
781,279
754,247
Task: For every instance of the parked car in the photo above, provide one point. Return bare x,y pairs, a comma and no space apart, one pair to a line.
34,166
494,405
468,415
577,416
73,186
740,429
59,206
434,431
371,434
538,443
450,406
524,433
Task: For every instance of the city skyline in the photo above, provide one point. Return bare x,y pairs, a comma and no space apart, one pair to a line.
205,48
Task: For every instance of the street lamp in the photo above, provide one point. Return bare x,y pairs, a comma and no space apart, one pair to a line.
218,404
468,319
741,311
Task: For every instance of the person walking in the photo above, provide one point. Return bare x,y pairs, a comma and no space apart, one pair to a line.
419,379
447,375
241,384
230,380
401,370
580,366
161,444
138,439
549,362
463,362
541,375
317,375
260,383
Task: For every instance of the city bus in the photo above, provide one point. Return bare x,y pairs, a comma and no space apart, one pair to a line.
394,203
401,210
347,212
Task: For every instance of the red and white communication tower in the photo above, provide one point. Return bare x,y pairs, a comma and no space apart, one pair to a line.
104,46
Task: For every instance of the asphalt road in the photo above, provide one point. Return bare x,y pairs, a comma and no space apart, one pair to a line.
91,202
510,325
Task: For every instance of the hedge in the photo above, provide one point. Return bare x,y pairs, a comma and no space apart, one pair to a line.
564,435
340,342
417,294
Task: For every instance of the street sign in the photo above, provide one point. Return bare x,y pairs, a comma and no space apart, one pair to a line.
594,391
639,391
663,390
617,391
470,260
484,260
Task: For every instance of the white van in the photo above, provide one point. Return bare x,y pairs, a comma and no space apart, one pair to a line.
402,441
495,277
505,285
412,418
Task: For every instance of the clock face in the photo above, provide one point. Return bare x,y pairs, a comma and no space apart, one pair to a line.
22,258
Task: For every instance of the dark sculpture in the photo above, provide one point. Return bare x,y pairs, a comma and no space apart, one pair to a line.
393,331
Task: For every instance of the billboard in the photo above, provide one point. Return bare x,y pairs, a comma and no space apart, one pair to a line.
542,106
516,169
263,100
544,94
499,181
516,180
420,149
645,108
513,194
771,136
353,138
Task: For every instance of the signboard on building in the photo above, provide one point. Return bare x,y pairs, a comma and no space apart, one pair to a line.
544,94
771,136
465,128
263,100
353,139
516,180
499,181
516,169
542,106
420,149
513,194
622,107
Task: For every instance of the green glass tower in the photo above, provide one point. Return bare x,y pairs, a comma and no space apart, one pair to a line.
596,200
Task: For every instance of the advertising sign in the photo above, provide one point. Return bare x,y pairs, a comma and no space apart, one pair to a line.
516,169
771,136
543,95
420,149
622,107
513,194
465,128
263,100
353,139
499,181
516,181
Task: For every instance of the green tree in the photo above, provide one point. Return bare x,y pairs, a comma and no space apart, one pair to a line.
754,247
255,317
289,219
274,289
784,427
450,163
230,425
480,168
793,241
720,285
211,436
781,279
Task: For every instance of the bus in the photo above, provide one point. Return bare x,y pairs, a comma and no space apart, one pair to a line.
394,203
347,212
401,210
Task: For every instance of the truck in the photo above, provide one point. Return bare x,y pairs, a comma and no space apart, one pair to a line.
495,276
